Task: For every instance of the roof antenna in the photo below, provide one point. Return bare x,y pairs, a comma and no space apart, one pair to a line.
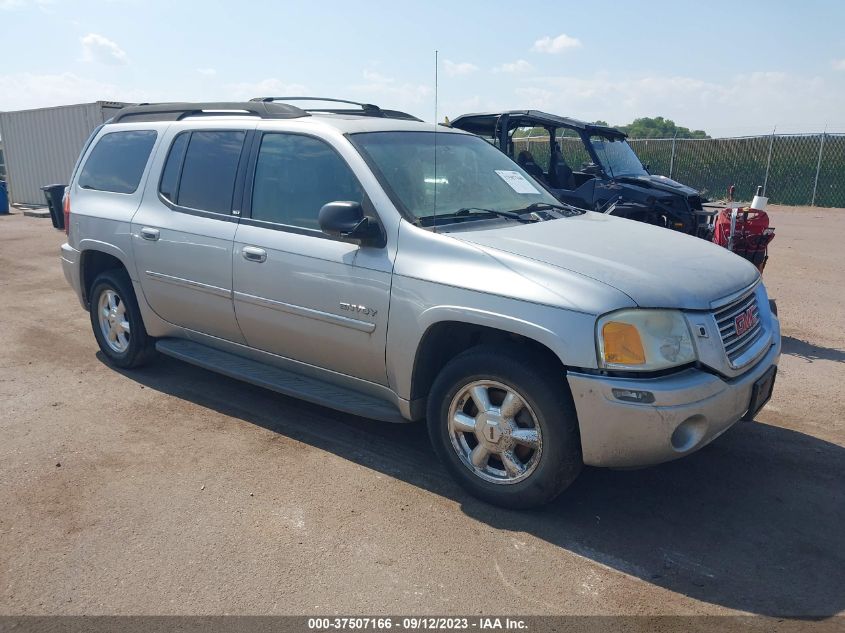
434,214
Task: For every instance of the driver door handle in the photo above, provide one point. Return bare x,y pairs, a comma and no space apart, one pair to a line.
150,234
254,254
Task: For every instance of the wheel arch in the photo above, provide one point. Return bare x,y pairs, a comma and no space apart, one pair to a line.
453,334
96,258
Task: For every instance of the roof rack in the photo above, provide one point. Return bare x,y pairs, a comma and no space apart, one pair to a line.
178,111
366,109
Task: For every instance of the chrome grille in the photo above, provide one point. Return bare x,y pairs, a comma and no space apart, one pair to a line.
737,345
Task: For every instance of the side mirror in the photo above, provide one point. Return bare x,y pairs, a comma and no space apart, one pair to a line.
346,220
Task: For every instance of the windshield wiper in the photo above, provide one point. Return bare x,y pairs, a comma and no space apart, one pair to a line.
513,215
466,211
541,206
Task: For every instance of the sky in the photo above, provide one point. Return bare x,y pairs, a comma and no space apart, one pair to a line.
730,68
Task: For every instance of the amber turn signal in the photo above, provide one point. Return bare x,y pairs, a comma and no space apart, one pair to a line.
622,344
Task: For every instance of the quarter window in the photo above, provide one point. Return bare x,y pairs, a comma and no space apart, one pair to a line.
170,174
295,176
117,161
208,171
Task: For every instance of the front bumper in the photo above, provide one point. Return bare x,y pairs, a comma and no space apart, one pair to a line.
690,409
70,267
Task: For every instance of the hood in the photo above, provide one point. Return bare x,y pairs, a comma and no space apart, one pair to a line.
661,183
656,267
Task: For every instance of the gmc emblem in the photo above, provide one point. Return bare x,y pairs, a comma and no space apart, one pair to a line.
745,321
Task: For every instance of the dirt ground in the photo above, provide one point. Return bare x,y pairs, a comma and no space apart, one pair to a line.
172,490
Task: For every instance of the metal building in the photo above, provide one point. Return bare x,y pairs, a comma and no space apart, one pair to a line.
41,146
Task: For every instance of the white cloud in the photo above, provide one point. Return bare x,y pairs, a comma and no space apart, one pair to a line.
377,78
387,92
557,44
26,90
519,66
266,88
208,72
96,48
399,95
839,64
457,69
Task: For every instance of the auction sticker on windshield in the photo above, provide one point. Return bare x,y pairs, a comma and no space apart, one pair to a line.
517,181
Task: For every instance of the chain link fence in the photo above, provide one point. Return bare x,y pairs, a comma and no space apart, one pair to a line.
796,169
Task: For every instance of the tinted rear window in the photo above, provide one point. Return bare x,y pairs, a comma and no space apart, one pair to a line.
117,161
209,170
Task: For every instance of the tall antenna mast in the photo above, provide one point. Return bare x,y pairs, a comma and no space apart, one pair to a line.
434,211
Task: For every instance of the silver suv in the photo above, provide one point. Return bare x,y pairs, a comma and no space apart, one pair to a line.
375,264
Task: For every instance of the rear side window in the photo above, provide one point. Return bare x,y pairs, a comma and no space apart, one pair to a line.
117,161
208,170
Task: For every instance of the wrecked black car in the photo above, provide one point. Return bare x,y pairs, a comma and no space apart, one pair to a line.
590,166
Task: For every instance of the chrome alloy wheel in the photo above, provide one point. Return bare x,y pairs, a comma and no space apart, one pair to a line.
114,323
495,432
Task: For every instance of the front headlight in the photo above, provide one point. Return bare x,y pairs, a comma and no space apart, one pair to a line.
643,340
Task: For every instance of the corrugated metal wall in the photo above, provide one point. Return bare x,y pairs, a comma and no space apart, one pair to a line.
41,146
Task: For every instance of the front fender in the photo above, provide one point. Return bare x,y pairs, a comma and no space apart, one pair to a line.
418,305
496,320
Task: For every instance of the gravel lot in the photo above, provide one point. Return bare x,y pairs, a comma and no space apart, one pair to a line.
172,490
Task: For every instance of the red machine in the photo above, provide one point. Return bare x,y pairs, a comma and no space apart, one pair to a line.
745,231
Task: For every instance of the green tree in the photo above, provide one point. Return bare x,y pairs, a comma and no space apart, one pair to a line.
658,127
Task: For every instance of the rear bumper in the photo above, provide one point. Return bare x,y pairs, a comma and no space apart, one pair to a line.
698,405
70,267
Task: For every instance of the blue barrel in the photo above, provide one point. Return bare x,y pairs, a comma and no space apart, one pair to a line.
4,197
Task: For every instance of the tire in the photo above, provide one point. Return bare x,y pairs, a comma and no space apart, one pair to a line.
550,459
114,308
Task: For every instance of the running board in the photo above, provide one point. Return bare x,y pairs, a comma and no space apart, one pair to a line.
279,380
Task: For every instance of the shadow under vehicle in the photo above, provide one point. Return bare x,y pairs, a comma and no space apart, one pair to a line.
610,177
751,523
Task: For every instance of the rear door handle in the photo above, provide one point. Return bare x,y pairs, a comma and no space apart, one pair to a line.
254,254
150,234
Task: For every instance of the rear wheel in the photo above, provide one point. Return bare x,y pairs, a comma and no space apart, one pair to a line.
116,320
505,426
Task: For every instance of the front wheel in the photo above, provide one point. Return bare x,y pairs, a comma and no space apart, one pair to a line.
505,426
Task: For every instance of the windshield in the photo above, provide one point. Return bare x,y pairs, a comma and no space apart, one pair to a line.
471,173
616,156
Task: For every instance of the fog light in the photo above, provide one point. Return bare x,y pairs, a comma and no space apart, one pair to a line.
689,433
633,395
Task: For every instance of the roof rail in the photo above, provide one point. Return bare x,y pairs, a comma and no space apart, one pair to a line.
178,111
366,109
